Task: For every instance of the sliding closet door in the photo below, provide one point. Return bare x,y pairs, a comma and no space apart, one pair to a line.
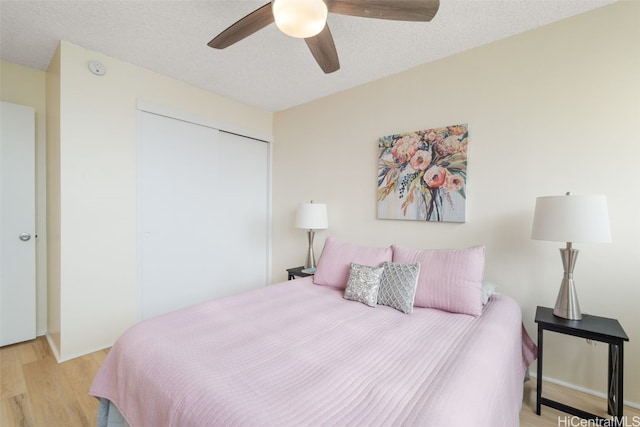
203,200
243,199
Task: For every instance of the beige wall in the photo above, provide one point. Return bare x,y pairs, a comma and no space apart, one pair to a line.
26,86
54,309
98,296
552,110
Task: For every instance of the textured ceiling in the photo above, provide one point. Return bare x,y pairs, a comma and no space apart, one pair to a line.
268,70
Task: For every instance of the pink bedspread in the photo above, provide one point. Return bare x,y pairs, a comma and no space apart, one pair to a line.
297,354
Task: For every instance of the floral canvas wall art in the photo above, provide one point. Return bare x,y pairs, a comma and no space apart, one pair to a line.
422,175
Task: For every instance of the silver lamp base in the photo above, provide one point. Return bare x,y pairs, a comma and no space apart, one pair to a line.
311,257
567,306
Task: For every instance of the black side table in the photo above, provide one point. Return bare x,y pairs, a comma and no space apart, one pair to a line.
297,272
594,328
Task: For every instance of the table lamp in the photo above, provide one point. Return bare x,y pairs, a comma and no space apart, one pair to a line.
311,216
570,218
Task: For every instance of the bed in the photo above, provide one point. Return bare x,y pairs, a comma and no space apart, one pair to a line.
299,353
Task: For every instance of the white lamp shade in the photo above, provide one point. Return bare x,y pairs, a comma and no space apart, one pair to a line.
312,216
300,18
572,218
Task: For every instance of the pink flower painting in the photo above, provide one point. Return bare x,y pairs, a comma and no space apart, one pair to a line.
422,175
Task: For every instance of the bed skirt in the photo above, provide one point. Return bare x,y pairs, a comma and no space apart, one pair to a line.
109,416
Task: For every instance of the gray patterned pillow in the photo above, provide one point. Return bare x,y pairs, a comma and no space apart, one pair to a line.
363,284
398,285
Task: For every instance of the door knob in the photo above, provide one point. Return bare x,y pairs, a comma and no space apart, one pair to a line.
24,236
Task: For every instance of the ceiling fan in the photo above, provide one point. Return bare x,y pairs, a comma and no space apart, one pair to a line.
308,19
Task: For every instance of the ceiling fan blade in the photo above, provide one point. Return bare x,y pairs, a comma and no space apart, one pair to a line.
256,20
399,10
324,50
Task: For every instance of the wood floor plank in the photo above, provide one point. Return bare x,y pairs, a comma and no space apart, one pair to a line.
28,353
12,381
80,373
550,417
41,348
52,397
99,356
16,411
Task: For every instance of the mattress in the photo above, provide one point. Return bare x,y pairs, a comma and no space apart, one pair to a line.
296,353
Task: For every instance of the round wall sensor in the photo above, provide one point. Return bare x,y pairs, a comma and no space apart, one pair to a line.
97,68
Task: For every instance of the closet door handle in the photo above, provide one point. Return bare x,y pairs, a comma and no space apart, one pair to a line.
24,236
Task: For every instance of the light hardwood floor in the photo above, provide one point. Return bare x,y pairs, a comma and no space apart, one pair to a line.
554,418
38,392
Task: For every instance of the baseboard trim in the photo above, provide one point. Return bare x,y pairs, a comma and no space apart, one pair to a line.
53,347
582,389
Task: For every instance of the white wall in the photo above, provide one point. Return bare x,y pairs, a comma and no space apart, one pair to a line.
94,272
552,110
26,86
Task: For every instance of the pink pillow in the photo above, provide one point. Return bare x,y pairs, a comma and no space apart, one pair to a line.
336,257
450,279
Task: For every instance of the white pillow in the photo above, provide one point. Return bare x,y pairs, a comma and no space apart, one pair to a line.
488,289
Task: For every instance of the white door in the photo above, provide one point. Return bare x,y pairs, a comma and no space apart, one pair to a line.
243,200
17,224
202,213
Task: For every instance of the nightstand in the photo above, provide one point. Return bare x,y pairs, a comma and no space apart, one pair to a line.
593,328
297,272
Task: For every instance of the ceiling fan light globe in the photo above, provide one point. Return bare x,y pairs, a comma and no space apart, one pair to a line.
300,18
